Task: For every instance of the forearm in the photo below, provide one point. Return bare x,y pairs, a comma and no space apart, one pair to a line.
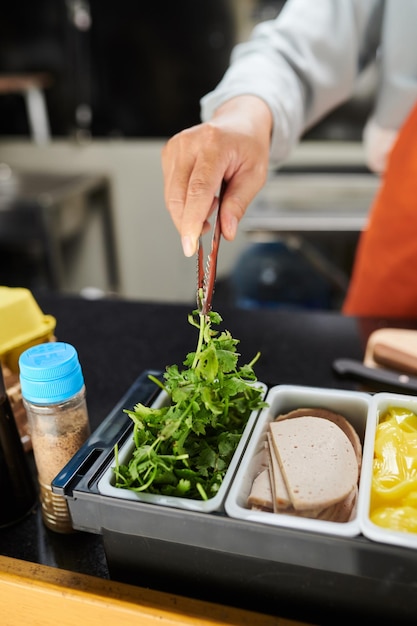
301,65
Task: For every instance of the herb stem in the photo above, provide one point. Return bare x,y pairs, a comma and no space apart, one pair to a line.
200,340
157,382
255,358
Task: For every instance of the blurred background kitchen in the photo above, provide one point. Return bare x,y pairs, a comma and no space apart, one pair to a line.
89,92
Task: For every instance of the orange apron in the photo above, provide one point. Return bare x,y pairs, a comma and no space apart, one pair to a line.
384,275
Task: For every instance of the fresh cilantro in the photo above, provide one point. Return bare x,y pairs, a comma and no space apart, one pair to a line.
184,448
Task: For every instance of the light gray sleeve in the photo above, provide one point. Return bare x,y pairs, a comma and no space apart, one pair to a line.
302,64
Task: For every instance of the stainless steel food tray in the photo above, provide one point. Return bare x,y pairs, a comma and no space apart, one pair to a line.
281,571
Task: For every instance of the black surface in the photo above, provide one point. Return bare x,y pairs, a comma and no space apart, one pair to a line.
117,340
17,487
139,70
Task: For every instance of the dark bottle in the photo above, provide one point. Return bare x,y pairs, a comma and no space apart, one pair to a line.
17,487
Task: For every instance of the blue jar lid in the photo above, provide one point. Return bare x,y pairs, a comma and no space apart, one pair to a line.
50,373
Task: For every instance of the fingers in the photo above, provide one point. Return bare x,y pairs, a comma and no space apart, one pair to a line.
233,147
177,165
241,189
200,203
193,173
193,178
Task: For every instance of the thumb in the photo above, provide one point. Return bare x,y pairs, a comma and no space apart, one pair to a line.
238,194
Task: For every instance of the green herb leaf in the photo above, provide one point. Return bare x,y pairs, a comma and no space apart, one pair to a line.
184,448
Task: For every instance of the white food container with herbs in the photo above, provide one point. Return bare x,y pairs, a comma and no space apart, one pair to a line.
106,485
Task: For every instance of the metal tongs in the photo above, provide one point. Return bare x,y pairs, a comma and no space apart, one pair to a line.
206,273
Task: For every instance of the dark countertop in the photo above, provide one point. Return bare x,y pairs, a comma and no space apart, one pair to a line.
117,340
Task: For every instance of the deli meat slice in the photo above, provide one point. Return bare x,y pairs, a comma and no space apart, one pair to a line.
340,420
280,495
317,461
260,497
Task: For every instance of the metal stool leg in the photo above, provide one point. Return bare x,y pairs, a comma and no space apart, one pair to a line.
38,115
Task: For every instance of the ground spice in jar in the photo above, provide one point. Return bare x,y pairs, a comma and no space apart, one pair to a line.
54,397
56,438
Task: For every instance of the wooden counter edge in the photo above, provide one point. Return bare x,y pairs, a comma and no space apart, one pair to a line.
43,595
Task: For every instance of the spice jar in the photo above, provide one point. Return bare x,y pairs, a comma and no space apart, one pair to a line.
54,396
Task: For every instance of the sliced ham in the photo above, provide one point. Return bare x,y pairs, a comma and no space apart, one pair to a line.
260,460
307,468
338,419
260,497
280,496
317,461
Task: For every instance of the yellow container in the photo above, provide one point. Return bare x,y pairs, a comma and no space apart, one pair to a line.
22,325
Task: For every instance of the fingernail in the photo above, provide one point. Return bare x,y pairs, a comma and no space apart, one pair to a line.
232,227
188,246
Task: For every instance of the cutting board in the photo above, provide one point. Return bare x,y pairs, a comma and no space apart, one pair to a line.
392,348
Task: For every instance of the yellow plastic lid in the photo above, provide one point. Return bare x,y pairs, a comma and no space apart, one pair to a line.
21,319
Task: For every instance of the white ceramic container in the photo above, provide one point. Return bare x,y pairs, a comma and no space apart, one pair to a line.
282,399
379,404
107,487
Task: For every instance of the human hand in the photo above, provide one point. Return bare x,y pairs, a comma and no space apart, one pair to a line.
233,146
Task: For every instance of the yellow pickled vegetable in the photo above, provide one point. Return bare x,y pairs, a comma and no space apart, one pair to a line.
394,482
